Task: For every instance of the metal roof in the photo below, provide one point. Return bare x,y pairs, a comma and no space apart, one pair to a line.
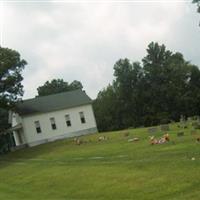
53,102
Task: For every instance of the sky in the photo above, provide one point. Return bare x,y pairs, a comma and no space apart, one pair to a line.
82,40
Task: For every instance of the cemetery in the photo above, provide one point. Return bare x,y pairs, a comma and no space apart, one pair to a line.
136,136
126,164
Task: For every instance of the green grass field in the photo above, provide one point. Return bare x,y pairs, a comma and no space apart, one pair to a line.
112,169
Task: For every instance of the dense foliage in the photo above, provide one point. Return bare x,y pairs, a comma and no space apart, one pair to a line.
3,119
11,66
161,88
57,86
198,4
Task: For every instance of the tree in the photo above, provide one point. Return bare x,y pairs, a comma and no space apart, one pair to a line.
198,4
57,86
3,119
117,106
76,85
6,140
105,108
161,88
128,77
166,75
11,66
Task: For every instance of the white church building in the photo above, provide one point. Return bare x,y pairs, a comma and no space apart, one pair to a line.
49,118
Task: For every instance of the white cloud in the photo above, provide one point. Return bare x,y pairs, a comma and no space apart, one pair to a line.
82,41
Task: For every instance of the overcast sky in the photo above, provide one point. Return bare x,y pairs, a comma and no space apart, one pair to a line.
82,40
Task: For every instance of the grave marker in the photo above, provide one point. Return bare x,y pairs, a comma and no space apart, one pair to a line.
180,134
152,130
164,127
193,132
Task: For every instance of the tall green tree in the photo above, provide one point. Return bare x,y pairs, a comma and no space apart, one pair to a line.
157,77
161,88
127,80
11,66
11,89
57,86
198,5
105,107
114,105
167,76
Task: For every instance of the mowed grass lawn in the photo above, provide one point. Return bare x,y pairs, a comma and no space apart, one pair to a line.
112,169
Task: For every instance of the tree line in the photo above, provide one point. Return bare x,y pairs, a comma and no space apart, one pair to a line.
160,88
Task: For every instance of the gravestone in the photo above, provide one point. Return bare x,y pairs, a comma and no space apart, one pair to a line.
126,134
164,127
196,125
152,130
183,122
193,132
180,134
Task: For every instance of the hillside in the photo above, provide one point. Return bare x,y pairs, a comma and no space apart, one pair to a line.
110,169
